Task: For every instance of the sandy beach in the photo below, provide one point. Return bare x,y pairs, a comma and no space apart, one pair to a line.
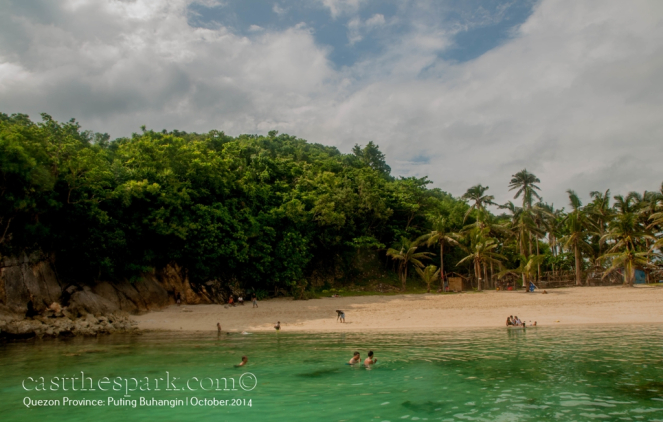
568,306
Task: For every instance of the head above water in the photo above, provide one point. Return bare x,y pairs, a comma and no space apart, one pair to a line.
356,354
244,358
370,353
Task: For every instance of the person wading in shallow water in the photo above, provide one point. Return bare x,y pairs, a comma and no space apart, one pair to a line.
369,361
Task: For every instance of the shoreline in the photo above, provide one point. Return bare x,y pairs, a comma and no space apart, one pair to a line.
573,306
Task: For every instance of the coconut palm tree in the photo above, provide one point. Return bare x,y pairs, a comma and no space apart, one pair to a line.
428,275
599,213
628,260
441,234
524,183
477,195
521,226
480,251
576,225
406,255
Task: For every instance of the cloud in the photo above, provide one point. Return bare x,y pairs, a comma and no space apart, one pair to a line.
575,96
279,10
357,29
342,7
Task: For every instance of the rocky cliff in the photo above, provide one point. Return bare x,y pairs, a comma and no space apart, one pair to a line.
98,307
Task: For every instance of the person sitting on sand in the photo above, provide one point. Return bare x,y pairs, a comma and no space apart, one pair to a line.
509,320
244,361
277,327
340,316
240,300
355,359
534,325
231,301
518,322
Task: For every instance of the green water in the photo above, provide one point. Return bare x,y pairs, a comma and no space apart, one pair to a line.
598,373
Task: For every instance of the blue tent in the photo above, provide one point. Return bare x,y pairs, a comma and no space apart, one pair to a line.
639,277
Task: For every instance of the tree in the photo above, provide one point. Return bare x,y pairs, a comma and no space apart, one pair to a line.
477,195
441,235
480,250
524,182
406,255
599,213
428,275
576,225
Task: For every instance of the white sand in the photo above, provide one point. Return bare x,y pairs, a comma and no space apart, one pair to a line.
579,305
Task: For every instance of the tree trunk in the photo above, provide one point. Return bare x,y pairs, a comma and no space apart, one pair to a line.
485,275
477,273
522,252
538,264
492,282
404,277
442,264
576,251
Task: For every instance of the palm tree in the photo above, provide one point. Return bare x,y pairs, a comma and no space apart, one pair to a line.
600,213
628,260
521,226
524,182
428,275
625,234
441,235
576,224
477,194
480,250
406,255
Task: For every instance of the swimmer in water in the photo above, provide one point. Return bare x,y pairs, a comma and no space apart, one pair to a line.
369,361
244,361
355,359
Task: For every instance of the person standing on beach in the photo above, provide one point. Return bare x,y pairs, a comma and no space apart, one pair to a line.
340,316
218,327
277,327
254,299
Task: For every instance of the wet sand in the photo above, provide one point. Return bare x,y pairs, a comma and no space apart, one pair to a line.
576,305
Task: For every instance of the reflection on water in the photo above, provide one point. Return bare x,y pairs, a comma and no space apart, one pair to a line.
602,373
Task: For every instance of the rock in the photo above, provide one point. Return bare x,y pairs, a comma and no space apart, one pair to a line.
24,275
85,302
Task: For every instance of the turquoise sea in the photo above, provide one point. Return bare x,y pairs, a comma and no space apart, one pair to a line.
604,373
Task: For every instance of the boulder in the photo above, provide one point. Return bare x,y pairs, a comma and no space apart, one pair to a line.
152,293
85,302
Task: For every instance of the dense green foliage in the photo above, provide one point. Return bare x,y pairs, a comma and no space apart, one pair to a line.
264,211
277,213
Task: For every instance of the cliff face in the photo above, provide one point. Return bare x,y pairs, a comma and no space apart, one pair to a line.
23,276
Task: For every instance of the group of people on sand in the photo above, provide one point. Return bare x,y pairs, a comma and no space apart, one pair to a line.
368,362
515,321
240,300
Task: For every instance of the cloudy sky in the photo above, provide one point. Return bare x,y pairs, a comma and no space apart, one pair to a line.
465,92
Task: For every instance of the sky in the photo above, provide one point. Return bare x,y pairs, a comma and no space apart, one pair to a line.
465,92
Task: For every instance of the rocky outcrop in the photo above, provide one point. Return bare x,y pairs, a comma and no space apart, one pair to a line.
25,275
34,278
64,326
